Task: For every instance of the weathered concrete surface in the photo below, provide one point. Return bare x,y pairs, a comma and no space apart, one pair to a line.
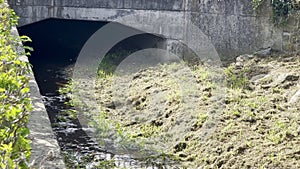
45,151
232,26
291,34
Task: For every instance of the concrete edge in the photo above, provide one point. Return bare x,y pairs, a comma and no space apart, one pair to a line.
45,151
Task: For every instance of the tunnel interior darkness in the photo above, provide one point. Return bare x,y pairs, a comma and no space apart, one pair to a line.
57,43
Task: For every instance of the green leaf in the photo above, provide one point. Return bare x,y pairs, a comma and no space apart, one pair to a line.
14,101
25,90
25,39
28,48
17,62
2,90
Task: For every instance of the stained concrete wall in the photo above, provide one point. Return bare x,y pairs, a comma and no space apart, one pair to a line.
232,26
291,34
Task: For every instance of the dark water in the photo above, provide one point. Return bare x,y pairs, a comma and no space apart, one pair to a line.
57,44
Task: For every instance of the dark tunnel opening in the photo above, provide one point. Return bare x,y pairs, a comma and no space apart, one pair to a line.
57,44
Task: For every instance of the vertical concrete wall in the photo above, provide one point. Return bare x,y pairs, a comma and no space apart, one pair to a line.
234,27
45,151
231,25
291,34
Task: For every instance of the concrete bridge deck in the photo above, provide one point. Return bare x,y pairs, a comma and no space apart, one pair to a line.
232,26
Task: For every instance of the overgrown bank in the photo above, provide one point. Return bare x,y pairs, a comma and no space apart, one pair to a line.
169,111
15,103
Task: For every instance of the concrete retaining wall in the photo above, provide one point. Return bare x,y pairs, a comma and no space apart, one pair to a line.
45,151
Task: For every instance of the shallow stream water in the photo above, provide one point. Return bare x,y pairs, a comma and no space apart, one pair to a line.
80,149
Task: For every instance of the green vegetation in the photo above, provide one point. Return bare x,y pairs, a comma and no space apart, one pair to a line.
201,118
167,108
236,78
282,9
257,3
259,128
71,161
15,103
109,62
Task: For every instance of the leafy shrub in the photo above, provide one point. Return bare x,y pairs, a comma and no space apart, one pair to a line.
15,103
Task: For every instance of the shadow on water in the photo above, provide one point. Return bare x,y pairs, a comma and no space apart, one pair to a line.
57,44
